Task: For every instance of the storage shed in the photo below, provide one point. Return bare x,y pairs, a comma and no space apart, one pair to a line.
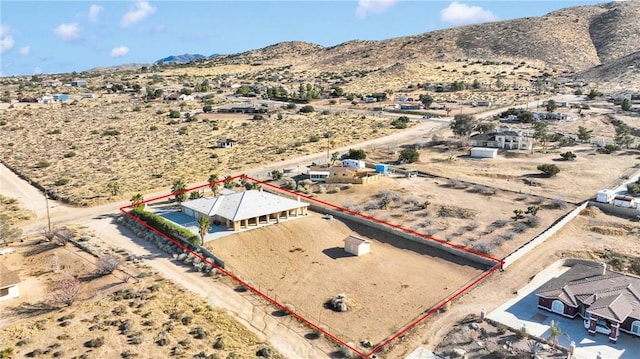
483,152
382,168
357,246
605,196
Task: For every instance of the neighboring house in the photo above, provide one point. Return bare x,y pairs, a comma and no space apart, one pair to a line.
175,96
51,83
624,201
410,106
61,97
340,174
239,210
227,143
358,164
242,108
318,173
609,302
184,97
46,99
8,283
79,83
506,140
357,246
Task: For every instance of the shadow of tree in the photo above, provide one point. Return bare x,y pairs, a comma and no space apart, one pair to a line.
40,248
32,309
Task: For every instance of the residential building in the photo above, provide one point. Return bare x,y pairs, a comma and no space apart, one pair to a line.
506,140
79,83
227,143
609,302
9,281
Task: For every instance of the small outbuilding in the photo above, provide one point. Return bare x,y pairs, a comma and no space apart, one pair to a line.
605,196
8,283
483,152
382,168
357,246
624,201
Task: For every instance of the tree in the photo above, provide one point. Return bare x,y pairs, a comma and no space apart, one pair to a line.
306,109
518,214
533,210
355,154
540,132
178,190
568,156
593,94
634,188
213,186
485,127
462,125
549,169
113,187
137,200
65,291
625,105
623,135
203,227
276,175
174,114
584,134
207,108
555,332
195,195
426,100
409,155
551,106
400,123
334,157
228,183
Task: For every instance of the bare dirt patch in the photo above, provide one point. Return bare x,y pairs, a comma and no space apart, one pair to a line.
302,262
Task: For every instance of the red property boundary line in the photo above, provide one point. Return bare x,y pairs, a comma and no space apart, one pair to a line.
381,346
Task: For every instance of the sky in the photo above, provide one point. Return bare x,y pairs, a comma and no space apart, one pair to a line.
48,37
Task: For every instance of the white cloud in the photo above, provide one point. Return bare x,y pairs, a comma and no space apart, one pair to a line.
366,7
462,14
25,50
67,32
37,71
6,40
94,11
119,51
141,10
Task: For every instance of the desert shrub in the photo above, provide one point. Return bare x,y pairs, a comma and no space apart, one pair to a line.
307,109
521,333
264,352
107,264
532,221
61,181
314,138
42,164
482,247
519,227
94,343
218,343
499,223
65,291
557,204
186,320
348,353
456,212
69,154
568,156
54,132
110,132
609,149
522,197
509,235
549,169
198,333
472,226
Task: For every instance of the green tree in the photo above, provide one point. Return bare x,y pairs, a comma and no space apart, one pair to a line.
203,227
213,186
634,188
195,195
549,169
593,94
625,105
113,187
568,156
276,175
409,155
584,134
551,106
485,127
178,189
540,132
462,125
307,109
137,200
555,332
426,100
533,210
228,183
207,108
355,154
623,135
174,114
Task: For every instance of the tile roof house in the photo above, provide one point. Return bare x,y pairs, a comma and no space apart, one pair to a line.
609,302
241,209
8,283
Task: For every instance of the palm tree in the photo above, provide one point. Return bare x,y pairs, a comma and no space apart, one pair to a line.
137,200
203,227
213,178
555,333
178,190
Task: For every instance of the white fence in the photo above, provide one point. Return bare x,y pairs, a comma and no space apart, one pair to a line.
520,252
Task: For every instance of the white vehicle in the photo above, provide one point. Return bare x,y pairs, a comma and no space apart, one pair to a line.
327,216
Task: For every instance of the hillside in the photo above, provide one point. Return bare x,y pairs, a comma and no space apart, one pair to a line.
620,75
571,39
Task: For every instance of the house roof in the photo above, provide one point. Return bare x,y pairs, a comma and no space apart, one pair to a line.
238,206
7,278
624,198
611,295
484,137
356,240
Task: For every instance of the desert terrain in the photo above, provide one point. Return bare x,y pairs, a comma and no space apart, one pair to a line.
305,266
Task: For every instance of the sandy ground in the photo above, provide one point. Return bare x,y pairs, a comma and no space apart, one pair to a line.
302,262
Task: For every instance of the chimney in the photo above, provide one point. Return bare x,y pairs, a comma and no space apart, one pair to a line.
604,268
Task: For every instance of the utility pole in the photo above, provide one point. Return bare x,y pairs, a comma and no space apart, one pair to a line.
46,199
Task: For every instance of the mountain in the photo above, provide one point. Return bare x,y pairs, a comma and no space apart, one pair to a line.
571,39
184,58
621,74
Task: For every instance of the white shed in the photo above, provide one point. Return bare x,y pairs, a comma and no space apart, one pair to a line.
357,246
624,201
605,196
8,283
484,152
